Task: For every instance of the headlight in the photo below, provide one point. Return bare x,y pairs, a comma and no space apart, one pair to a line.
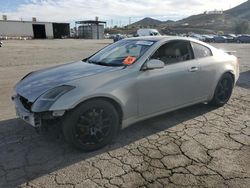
57,92
45,101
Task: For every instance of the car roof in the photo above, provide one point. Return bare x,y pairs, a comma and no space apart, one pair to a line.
161,38
151,38
169,38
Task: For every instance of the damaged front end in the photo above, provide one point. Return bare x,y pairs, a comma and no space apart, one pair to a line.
23,111
41,121
37,113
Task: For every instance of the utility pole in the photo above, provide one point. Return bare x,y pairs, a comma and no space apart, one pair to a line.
111,23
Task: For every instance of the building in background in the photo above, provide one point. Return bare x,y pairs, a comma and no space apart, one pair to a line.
33,29
214,12
90,29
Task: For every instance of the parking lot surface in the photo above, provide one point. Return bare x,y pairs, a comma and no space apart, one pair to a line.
198,146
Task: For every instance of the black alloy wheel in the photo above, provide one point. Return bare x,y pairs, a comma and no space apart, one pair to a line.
223,90
91,125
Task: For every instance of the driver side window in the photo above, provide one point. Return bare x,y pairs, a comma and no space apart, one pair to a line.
174,52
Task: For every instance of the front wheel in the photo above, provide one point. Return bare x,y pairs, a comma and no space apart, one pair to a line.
223,90
91,125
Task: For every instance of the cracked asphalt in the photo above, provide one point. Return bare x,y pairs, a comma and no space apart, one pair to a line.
199,146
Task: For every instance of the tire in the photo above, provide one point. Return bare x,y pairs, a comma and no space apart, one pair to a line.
223,91
92,125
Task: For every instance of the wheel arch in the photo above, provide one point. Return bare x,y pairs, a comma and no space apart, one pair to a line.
231,74
214,87
112,101
214,101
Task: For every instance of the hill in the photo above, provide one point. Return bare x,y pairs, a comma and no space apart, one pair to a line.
242,11
201,23
212,23
147,22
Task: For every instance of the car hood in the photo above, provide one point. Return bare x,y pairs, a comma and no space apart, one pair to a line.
36,83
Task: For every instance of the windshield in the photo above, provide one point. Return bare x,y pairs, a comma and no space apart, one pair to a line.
122,53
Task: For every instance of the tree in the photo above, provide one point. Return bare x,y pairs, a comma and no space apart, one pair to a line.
242,27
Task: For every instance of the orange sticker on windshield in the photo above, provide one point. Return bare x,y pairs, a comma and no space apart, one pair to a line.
129,60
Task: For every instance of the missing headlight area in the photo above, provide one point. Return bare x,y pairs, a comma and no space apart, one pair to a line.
26,104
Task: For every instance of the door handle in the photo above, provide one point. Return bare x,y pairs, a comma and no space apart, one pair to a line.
193,69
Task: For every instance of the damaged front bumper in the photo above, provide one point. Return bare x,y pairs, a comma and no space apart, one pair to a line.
36,119
25,114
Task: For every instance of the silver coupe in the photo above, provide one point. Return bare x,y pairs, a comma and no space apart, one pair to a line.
125,82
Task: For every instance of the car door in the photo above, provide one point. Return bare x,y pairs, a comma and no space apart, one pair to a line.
207,64
173,86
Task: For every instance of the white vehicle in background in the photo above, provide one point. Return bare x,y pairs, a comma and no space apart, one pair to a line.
148,32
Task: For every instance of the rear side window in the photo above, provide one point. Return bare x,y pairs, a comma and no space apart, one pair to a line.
201,51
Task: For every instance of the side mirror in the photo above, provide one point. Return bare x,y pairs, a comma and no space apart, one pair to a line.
153,64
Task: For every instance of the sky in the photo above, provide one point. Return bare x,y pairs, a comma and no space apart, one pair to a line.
115,12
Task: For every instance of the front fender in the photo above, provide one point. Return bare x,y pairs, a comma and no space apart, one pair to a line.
67,102
121,90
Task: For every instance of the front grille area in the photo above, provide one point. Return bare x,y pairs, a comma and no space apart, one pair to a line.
26,104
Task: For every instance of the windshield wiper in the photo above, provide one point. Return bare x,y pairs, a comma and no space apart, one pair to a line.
103,63
98,63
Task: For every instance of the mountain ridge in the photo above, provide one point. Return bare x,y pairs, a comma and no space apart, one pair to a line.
147,21
241,11
225,21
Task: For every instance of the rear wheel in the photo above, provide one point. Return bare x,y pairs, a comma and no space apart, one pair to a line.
223,90
92,125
